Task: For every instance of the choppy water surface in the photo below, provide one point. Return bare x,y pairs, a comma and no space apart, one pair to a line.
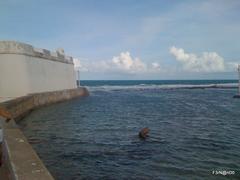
193,132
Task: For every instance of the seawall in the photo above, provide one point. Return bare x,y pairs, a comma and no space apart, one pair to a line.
19,157
17,108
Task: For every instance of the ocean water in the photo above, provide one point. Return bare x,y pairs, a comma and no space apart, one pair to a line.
194,131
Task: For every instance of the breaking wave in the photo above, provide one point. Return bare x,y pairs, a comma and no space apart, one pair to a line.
162,86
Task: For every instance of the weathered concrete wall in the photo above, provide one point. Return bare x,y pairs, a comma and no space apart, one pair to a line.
25,69
19,107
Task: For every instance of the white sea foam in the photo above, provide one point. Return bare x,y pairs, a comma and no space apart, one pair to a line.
162,86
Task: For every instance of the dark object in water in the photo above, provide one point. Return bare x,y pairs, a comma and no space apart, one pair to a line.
236,96
34,141
143,133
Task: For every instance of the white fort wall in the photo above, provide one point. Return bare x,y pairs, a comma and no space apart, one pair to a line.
25,70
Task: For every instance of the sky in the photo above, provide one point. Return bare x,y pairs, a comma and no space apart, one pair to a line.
132,39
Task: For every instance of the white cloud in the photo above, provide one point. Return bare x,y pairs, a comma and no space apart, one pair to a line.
123,63
206,62
156,65
127,63
78,65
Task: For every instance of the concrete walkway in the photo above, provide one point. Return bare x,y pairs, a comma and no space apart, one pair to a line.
4,173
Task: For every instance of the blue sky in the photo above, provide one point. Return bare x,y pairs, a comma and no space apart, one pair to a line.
132,39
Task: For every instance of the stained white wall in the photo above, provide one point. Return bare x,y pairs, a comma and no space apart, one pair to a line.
21,75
